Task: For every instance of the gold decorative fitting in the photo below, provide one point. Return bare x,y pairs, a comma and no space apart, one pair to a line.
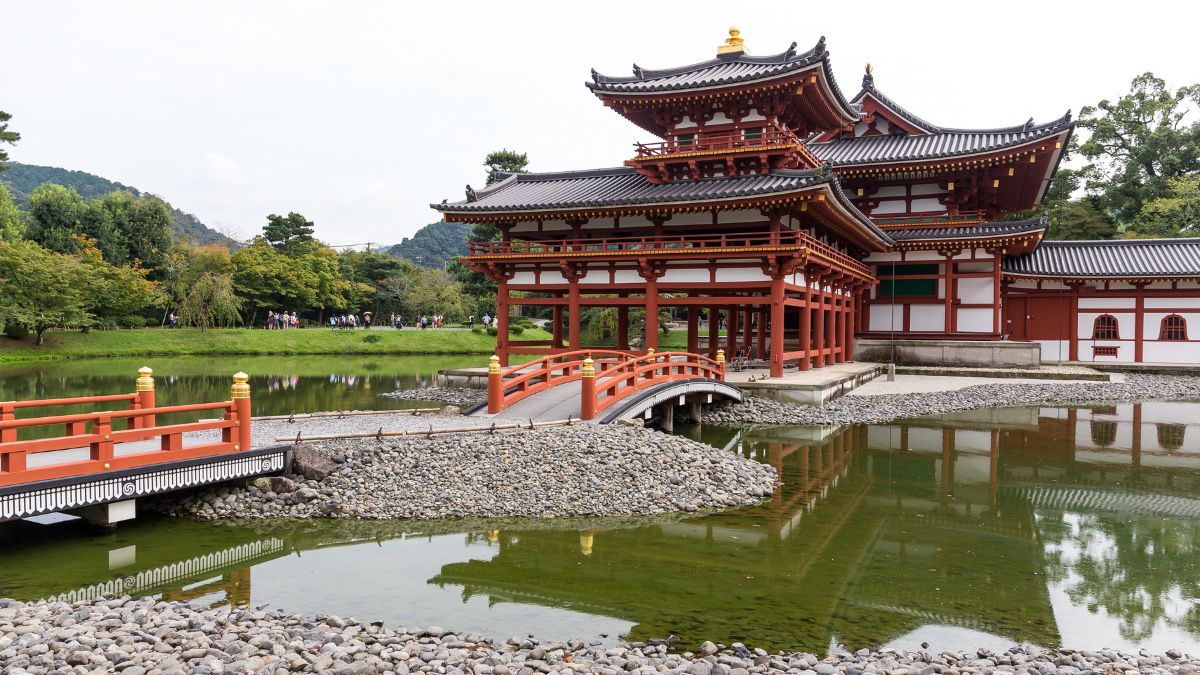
494,365
107,465
720,356
145,381
240,388
733,44
589,368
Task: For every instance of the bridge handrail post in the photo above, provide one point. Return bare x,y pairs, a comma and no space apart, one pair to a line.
10,462
144,386
239,392
587,398
495,397
102,447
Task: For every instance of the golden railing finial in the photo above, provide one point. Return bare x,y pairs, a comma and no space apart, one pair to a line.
734,44
145,381
241,386
493,364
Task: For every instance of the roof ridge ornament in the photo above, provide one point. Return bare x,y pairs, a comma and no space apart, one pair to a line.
869,78
791,52
733,44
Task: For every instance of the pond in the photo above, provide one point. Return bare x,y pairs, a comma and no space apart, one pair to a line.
1054,526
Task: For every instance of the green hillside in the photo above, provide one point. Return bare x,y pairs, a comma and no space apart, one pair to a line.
434,245
23,178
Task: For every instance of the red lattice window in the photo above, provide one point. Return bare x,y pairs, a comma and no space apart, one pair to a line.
1104,350
1173,328
1105,328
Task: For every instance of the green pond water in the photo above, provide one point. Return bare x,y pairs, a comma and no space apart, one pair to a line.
1055,526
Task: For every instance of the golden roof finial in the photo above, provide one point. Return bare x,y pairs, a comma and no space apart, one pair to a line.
870,69
733,44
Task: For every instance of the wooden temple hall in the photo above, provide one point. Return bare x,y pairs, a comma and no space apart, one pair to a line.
797,219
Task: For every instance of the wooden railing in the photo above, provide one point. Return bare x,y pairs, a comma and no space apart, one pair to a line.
606,376
769,137
94,431
737,243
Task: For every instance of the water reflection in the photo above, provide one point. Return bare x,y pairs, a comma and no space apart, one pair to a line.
985,528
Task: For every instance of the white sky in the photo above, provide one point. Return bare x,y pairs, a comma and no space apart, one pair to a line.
359,114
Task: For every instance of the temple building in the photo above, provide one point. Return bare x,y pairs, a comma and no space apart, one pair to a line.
800,220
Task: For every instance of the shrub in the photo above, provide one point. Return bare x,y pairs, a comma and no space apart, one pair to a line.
372,338
522,321
492,331
515,330
134,321
478,330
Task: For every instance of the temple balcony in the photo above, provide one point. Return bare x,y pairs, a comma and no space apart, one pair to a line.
696,156
482,254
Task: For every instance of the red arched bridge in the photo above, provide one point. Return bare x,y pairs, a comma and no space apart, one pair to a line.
97,463
605,385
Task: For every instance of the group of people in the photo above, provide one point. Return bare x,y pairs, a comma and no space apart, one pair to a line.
282,320
435,321
486,321
350,321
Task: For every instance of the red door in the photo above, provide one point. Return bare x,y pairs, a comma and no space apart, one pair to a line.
1014,319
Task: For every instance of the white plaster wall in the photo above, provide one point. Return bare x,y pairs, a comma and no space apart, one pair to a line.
975,290
927,205
925,441
974,267
975,320
741,274
966,440
886,318
890,191
683,276
972,469
628,277
923,255
754,116
1154,351
522,278
685,123
1150,303
927,189
927,318
1124,352
1107,303
720,118
1055,350
1152,323
890,207
882,258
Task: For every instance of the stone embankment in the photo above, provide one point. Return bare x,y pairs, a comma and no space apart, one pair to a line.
886,408
575,470
459,396
147,637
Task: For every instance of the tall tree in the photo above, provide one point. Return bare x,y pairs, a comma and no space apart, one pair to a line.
40,289
291,234
12,219
142,226
498,162
116,293
1075,218
200,284
1139,142
6,136
1176,214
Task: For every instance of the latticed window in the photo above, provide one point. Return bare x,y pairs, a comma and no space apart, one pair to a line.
893,282
1105,328
1173,328
1170,436
1104,434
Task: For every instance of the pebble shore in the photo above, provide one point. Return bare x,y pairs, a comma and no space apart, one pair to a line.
148,637
757,411
460,396
575,470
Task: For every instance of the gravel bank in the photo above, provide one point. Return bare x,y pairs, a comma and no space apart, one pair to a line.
576,470
138,637
453,395
758,411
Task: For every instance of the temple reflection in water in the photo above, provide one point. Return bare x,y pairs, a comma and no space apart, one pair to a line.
1046,526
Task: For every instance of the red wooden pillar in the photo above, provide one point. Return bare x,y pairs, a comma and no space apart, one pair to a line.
840,333
747,337
851,317
831,328
623,324
573,308
557,329
502,320
997,326
777,332
693,329
805,326
1139,330
1073,328
819,329
239,393
949,291
652,313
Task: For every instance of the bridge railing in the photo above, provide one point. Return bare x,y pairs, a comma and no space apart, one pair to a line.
507,386
605,388
94,431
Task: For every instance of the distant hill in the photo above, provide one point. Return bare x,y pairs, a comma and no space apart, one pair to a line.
433,245
23,178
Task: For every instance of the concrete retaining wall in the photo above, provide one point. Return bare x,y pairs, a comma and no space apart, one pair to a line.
983,353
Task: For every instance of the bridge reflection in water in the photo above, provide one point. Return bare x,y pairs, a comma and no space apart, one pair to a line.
1051,526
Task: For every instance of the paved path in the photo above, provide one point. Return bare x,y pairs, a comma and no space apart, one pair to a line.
923,384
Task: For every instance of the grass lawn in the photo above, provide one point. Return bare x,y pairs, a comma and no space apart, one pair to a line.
676,340
189,341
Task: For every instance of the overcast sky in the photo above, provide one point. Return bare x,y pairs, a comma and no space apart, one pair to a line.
360,114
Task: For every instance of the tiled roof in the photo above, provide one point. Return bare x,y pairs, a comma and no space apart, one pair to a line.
622,186
1001,229
1123,258
940,144
724,70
